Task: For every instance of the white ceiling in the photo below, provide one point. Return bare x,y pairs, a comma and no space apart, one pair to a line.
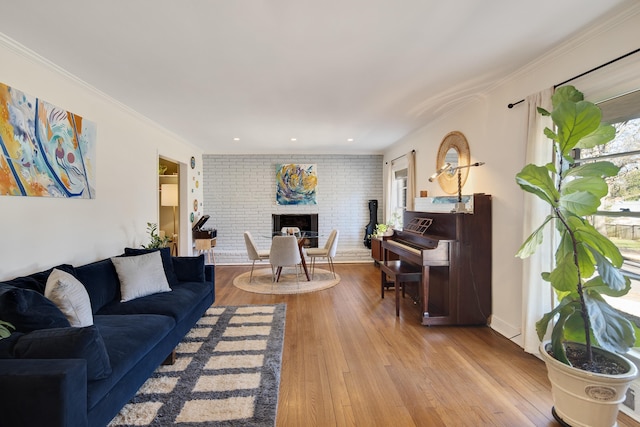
322,71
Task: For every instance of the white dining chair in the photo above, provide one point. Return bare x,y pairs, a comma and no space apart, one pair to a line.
254,253
284,253
328,251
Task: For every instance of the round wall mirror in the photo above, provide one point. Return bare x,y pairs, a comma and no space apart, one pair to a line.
454,149
451,157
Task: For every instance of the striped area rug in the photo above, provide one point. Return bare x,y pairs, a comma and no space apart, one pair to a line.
227,373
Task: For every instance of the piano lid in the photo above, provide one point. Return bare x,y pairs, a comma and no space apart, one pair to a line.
200,223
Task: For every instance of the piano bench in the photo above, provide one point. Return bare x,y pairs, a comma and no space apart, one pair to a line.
399,272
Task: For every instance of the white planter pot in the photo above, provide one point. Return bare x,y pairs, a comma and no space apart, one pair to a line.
587,399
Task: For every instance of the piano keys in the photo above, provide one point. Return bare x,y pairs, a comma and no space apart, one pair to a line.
455,256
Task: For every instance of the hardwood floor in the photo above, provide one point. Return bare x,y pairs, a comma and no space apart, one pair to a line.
348,361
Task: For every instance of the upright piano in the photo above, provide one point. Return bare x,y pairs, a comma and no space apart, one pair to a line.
454,254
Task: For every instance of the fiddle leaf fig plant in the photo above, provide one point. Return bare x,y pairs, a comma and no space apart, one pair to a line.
587,263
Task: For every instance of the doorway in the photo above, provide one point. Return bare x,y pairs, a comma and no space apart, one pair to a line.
169,202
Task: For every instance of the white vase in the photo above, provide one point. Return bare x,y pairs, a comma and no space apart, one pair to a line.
583,398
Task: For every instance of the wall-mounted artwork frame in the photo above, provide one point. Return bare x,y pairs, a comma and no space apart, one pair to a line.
296,184
46,151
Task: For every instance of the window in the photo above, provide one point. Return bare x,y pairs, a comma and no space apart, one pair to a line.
398,199
619,214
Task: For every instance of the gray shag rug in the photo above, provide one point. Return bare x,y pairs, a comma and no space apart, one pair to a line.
227,373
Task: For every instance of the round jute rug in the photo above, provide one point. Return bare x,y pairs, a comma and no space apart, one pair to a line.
262,284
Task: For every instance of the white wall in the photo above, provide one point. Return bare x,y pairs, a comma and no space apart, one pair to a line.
40,232
240,195
496,136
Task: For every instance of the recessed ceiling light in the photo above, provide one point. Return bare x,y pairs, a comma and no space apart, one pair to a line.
294,139
349,139
236,139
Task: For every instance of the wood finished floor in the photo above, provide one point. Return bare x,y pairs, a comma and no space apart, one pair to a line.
348,361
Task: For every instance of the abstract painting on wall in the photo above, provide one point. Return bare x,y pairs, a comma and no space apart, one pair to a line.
296,184
46,150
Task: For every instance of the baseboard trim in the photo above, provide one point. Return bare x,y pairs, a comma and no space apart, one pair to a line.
511,332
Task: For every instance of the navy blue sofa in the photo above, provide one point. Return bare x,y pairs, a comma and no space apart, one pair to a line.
53,375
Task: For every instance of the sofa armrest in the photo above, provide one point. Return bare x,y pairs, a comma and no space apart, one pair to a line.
38,392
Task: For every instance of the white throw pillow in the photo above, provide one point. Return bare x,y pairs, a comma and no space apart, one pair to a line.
70,296
140,275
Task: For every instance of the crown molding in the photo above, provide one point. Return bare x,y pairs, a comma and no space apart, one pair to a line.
612,20
39,60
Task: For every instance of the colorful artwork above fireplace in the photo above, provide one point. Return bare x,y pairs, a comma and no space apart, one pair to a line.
46,150
296,184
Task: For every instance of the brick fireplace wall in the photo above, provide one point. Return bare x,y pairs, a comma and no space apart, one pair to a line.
239,195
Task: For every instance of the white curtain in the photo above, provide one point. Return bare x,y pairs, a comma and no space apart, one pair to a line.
388,186
411,179
537,295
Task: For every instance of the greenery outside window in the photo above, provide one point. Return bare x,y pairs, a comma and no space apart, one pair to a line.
619,214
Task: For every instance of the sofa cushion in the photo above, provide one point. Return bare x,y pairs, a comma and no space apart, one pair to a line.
70,296
29,310
128,340
101,281
167,264
140,275
177,304
26,282
189,268
63,343
43,276
38,281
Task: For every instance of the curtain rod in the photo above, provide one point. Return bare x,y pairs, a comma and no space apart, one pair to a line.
399,157
584,74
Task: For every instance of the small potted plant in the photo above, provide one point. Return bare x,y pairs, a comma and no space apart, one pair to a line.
387,229
588,335
156,240
382,230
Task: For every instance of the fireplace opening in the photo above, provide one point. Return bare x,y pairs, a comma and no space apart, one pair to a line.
305,222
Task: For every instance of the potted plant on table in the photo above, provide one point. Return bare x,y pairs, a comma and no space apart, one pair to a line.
387,229
588,335
383,230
